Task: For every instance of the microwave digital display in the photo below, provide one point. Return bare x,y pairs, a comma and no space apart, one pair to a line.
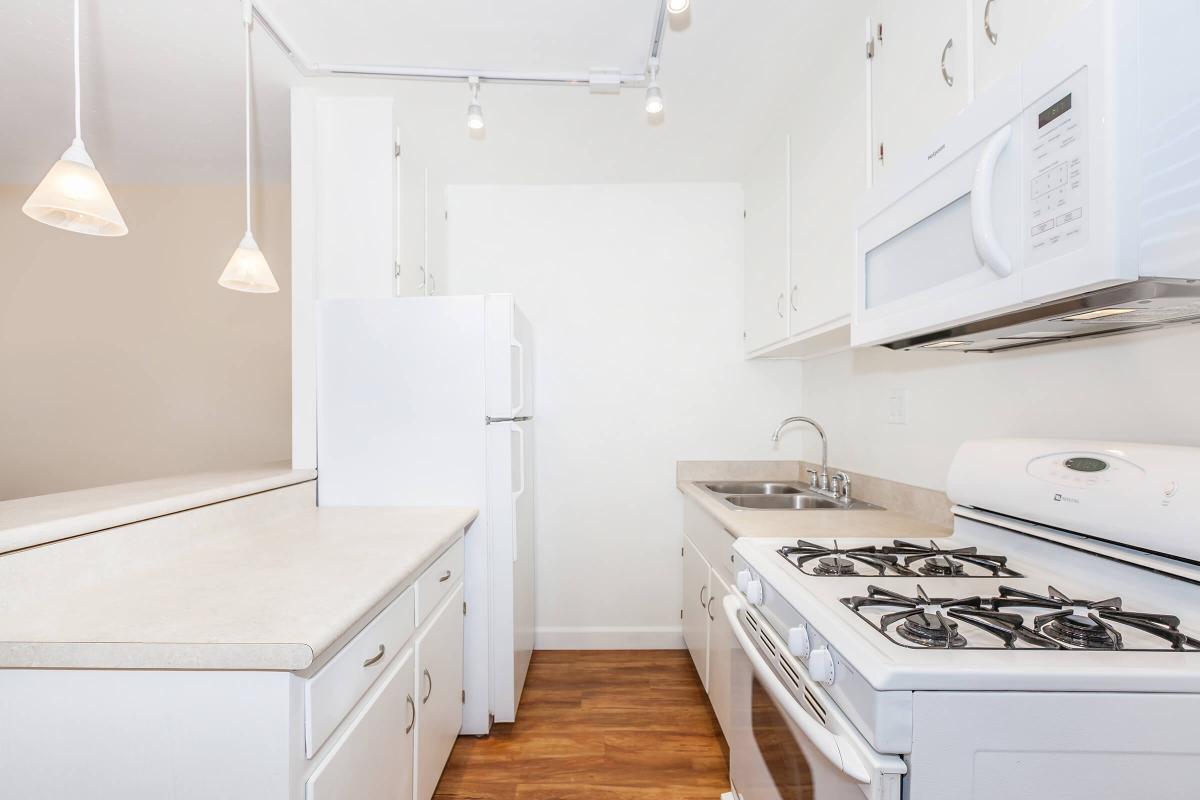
1054,112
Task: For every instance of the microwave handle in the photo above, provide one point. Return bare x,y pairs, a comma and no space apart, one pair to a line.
983,229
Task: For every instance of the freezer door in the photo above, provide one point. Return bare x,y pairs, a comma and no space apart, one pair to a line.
509,359
510,512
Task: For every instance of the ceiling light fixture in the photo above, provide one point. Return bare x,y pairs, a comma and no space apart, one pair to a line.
678,6
654,95
1099,313
73,196
939,345
247,270
474,111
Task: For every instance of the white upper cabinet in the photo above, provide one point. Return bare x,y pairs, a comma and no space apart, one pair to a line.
412,180
766,254
1005,30
919,76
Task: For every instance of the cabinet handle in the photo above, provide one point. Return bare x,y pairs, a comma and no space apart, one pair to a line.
445,577
711,618
946,76
428,692
703,592
413,708
375,659
987,22
779,305
421,285
792,297
432,284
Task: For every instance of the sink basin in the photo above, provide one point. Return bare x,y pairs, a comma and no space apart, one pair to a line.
795,502
751,487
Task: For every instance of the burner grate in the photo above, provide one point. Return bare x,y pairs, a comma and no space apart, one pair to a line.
933,561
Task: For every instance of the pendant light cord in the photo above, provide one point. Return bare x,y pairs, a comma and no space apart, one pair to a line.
78,126
247,23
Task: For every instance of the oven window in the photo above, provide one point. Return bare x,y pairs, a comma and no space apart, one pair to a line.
778,747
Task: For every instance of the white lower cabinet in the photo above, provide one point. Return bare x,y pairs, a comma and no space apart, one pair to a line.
696,595
374,759
720,653
440,692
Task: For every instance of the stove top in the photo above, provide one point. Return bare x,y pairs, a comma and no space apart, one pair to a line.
1016,619
900,558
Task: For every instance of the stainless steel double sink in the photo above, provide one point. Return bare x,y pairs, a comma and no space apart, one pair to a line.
778,495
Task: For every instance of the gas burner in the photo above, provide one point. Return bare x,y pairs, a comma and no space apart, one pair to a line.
936,562
925,623
838,562
834,565
931,630
1085,625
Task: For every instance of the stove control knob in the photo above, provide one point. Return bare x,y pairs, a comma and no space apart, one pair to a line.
799,644
743,580
754,593
820,666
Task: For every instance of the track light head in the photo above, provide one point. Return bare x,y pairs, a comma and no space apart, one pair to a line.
474,110
654,95
678,6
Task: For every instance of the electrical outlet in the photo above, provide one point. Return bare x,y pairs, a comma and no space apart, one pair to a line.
897,407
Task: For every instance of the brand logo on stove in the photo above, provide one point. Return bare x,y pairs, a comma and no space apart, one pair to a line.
1062,498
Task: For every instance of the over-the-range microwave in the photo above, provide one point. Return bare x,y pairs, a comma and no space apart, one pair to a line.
1063,202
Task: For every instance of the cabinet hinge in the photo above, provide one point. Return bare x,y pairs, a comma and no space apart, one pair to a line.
681,613
743,213
464,695
464,608
871,48
681,552
879,32
396,272
397,151
881,152
445,215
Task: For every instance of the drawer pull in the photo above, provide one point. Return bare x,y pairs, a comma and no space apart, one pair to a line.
375,659
445,577
429,678
413,706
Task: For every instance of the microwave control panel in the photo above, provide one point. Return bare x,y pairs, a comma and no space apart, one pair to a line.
1055,173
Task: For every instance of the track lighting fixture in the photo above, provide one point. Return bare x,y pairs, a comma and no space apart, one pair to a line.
248,270
654,96
474,110
73,196
678,6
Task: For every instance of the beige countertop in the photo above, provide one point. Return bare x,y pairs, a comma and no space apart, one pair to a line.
275,596
30,521
809,524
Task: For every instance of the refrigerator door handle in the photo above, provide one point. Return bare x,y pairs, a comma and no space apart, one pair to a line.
520,348
517,494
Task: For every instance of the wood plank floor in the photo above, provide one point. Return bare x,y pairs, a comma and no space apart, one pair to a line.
598,725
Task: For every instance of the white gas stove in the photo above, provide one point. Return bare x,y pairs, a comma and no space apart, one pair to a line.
1049,649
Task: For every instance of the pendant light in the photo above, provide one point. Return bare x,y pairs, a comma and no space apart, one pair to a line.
247,270
73,196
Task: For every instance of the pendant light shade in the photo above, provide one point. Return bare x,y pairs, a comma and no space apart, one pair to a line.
247,269
73,196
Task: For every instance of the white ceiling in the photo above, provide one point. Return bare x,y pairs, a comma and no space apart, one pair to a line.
163,84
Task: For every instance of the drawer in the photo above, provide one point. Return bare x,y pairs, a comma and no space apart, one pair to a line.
439,580
331,693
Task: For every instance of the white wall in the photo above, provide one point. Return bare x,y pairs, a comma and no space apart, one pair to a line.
1139,387
634,293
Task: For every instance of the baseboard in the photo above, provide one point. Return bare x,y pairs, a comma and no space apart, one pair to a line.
667,638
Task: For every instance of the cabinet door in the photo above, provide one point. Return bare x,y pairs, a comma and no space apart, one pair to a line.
411,179
1006,30
766,245
720,653
829,174
919,75
373,758
696,594
439,684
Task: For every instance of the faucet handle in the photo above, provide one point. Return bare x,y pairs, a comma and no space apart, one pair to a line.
841,480
812,478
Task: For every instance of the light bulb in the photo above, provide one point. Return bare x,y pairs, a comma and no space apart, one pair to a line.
678,6
475,116
654,100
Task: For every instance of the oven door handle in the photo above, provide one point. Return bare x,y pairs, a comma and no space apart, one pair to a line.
823,739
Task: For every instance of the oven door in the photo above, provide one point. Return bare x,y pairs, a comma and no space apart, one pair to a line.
788,740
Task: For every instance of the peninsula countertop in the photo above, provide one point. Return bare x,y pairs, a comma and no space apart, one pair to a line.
273,596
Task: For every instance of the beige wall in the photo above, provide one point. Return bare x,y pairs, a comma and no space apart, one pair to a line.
122,359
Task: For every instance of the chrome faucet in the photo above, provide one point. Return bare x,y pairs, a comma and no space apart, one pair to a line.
818,482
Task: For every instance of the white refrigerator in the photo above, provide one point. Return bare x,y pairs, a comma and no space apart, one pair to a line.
428,401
